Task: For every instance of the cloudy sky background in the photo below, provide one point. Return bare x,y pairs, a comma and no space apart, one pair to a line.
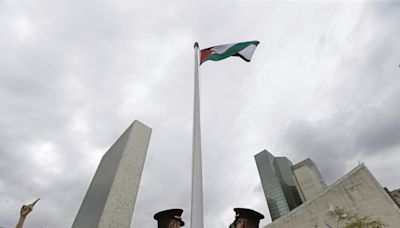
323,83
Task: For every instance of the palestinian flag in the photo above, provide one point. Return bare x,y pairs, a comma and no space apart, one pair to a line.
243,50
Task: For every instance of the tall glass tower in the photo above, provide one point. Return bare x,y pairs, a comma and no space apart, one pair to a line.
278,182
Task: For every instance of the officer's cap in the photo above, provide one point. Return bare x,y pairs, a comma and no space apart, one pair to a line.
248,214
170,214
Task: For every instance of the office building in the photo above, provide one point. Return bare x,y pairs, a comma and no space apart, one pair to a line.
309,179
110,199
395,195
278,183
356,194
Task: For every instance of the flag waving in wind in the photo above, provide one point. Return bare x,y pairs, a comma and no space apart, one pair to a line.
243,50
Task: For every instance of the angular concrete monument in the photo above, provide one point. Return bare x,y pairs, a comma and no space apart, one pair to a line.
110,199
356,194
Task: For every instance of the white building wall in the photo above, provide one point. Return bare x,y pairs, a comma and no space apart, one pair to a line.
310,184
357,192
110,199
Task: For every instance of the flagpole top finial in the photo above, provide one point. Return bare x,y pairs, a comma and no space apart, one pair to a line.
196,45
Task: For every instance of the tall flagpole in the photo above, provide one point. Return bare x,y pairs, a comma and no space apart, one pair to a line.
196,220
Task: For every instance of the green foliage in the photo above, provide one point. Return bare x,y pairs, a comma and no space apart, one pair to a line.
354,220
363,222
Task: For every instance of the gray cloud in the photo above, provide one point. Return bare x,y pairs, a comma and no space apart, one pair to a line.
364,121
322,84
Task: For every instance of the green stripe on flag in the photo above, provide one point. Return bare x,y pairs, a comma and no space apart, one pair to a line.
231,51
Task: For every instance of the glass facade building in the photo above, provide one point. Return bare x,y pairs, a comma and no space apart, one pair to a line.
278,183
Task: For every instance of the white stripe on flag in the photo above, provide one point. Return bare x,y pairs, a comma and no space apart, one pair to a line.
248,51
222,48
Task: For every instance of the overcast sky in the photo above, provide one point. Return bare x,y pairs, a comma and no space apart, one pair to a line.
323,83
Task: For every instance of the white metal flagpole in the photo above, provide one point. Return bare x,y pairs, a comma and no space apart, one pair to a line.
196,220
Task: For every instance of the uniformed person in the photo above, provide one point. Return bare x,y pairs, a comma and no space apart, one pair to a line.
169,218
246,218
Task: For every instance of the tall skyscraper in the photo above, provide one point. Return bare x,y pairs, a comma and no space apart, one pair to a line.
286,185
278,183
110,199
309,179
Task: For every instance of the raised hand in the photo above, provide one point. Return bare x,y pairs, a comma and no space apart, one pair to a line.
26,209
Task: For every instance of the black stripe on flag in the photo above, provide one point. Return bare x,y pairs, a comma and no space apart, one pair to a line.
241,56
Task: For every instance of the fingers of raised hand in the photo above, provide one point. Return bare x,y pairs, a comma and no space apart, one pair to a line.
25,209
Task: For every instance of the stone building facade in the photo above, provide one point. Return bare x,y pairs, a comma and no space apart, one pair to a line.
110,199
309,179
395,194
356,193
